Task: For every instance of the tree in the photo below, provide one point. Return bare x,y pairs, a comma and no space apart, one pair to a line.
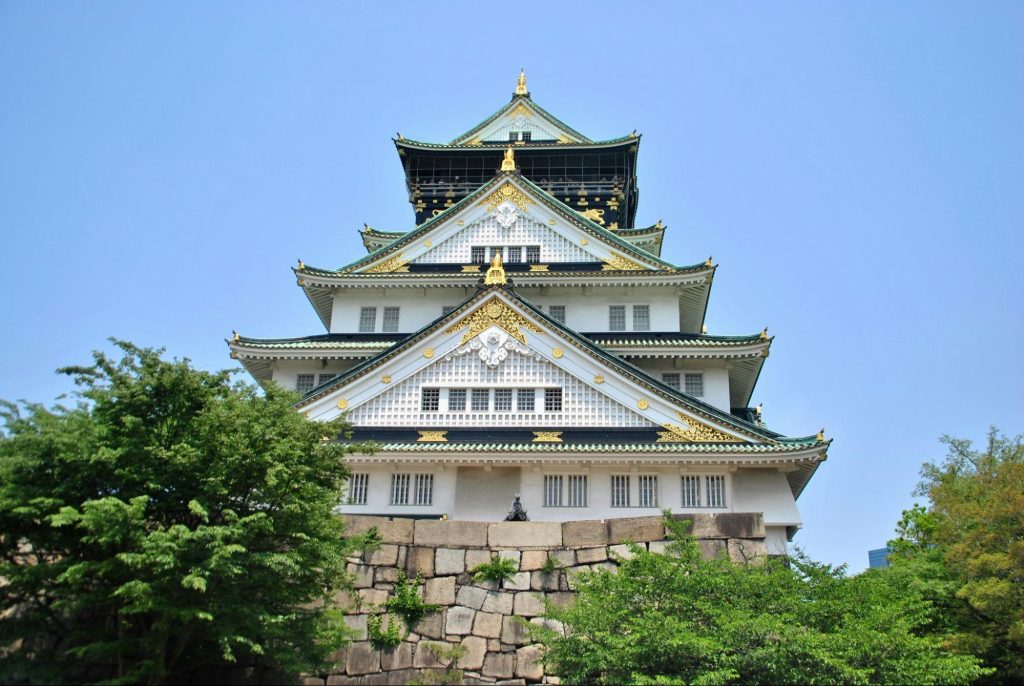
169,522
966,550
679,619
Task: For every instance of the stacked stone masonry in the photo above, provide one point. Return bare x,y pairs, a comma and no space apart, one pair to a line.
487,618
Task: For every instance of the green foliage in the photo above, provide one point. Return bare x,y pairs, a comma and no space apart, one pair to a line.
447,654
496,569
406,601
676,618
551,565
169,521
385,635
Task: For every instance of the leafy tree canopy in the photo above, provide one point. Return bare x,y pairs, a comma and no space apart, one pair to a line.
170,522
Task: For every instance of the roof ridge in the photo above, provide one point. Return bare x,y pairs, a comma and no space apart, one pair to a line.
517,99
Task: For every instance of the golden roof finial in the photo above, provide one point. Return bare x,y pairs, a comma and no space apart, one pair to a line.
764,334
704,329
496,274
659,225
707,262
521,84
821,434
302,265
758,410
234,336
509,163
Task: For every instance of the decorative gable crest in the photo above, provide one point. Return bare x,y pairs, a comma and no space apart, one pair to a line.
494,313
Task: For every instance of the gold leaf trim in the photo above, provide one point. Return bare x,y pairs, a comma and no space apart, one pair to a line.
471,269
614,262
538,267
547,437
494,313
696,432
507,192
395,264
520,109
432,437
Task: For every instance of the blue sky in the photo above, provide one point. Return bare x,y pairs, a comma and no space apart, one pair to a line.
854,168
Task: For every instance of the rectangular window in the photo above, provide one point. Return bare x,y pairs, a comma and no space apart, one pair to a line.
532,253
552,490
367,319
424,493
691,491
695,384
557,313
671,379
525,399
620,490
502,399
577,490
552,399
648,492
641,317
513,135
304,383
430,399
715,490
515,254
616,317
527,135
324,378
480,399
390,321
358,485
457,400
478,254
399,489
447,309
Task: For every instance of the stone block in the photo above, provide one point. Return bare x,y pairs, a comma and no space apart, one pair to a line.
513,631
439,591
519,581
426,654
399,658
498,665
386,555
572,573
387,575
487,625
604,566
420,560
747,550
476,648
533,559
369,597
712,549
551,624
588,555
362,575
620,551
528,663
529,604
524,535
397,530
362,659
477,557
635,529
563,558
431,626
312,681
459,620
403,555
498,602
740,524
449,561
585,533
539,581
493,645
561,599
357,623
471,596
659,547
453,534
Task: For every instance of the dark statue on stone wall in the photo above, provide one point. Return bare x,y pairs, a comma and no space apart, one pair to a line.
517,513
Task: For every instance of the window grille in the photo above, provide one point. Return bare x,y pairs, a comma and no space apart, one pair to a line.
480,399
671,379
478,254
358,485
552,490
691,491
390,321
532,253
557,313
324,378
424,494
616,317
503,400
648,492
431,399
457,400
399,489
487,231
525,398
447,309
367,319
695,384
577,490
620,490
716,491
515,254
304,383
513,135
552,399
641,317
527,135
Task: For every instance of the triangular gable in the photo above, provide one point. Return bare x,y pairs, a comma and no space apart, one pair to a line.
497,340
505,205
521,114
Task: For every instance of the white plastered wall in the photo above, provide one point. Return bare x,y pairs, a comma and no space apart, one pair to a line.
285,372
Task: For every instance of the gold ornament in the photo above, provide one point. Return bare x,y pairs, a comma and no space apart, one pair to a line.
494,313
594,215
696,432
432,437
509,161
643,403
496,274
342,404
538,267
598,379
471,269
394,264
521,83
386,378
428,353
558,352
507,192
547,436
615,262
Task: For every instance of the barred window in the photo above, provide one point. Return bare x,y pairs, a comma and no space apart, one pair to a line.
447,309
553,490
367,319
424,494
577,490
532,253
525,399
358,485
695,384
513,135
390,322
557,313
515,254
616,317
527,135
324,378
430,399
503,400
691,491
620,490
399,489
457,400
478,253
304,383
641,317
671,379
715,490
480,399
552,399
648,492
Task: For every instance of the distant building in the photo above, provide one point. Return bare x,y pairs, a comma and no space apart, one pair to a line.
879,558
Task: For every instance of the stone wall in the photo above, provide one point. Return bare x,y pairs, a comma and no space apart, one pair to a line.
481,617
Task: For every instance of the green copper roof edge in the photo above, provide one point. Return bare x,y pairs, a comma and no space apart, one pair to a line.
499,145
540,110
711,339
653,228
673,447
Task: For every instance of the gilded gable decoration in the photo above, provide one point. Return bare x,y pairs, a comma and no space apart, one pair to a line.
695,432
394,264
494,313
510,193
614,262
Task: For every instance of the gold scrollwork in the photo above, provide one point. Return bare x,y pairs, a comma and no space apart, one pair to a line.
507,192
615,262
394,264
494,313
547,437
432,437
538,267
696,432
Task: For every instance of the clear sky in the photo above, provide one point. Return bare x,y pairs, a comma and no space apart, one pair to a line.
854,168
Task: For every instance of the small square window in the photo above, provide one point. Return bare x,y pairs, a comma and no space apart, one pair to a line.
304,383
457,400
532,253
390,322
513,135
503,400
367,319
478,254
430,399
557,313
616,317
552,399
527,135
324,378
525,398
480,399
695,384
671,379
641,317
